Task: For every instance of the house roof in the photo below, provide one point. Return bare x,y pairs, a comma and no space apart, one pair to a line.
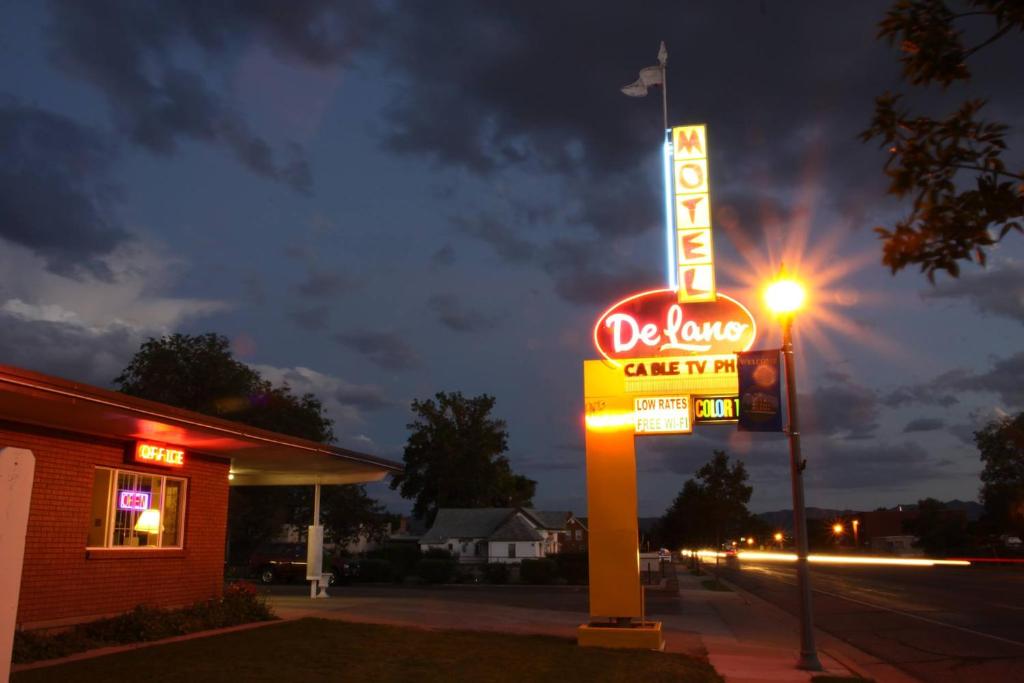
517,528
553,520
257,456
465,523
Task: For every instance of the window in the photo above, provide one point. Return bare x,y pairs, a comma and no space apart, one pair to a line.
511,549
136,510
579,534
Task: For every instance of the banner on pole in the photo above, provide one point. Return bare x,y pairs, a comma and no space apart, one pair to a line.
760,391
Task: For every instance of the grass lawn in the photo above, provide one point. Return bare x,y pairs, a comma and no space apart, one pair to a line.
311,650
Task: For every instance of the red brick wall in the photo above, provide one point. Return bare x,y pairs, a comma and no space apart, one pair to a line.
61,583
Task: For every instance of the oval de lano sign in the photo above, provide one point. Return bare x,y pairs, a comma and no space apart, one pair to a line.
654,324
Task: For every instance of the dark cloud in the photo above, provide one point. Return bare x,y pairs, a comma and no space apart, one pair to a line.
363,396
1005,379
55,194
253,288
313,319
507,243
138,56
445,256
870,466
998,291
840,407
321,284
924,424
924,394
67,349
583,273
455,315
385,349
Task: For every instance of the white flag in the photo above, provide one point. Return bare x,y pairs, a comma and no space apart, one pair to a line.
651,75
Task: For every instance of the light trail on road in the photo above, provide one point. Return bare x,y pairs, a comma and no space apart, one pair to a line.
759,556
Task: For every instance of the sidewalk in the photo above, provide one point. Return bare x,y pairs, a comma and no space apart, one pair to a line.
744,638
749,639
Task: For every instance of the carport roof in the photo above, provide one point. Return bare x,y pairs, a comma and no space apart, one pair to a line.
258,456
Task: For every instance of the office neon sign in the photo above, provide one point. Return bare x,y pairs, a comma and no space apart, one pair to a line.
158,454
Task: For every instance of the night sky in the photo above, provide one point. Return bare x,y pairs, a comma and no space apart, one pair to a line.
376,201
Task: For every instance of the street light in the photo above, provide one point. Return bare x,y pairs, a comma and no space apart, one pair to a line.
778,538
785,297
856,536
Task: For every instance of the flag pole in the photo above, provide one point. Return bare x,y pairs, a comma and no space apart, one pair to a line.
663,60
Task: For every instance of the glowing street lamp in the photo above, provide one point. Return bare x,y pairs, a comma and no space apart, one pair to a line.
856,528
837,529
785,297
778,538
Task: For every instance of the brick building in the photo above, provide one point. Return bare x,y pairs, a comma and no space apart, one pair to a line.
129,497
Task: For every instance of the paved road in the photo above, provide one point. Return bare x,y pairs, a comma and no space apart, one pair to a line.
937,624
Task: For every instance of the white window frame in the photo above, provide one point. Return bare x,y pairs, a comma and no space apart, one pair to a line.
111,511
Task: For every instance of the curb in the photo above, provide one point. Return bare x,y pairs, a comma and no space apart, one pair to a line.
115,649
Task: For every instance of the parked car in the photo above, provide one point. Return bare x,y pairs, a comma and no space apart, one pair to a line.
344,570
279,562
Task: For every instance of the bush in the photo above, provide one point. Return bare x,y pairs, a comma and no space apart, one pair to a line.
438,554
402,557
496,572
435,569
541,570
573,567
240,604
375,570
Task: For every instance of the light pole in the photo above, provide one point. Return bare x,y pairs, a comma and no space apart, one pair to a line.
785,297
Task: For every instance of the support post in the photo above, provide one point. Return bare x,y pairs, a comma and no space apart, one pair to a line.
808,651
315,551
17,470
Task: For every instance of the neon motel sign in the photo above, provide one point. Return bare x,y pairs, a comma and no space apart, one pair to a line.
158,454
675,347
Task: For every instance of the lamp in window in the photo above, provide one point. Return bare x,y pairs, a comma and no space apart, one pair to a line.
149,522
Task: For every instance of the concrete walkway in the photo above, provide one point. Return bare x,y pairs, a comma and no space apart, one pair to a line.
748,639
744,638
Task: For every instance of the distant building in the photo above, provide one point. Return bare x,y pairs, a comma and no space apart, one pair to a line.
503,535
576,535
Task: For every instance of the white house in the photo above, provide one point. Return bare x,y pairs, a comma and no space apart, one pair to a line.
480,535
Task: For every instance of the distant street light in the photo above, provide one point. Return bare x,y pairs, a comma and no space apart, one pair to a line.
856,536
778,538
750,541
785,297
837,529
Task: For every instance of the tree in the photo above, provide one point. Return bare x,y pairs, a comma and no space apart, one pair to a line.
199,372
940,531
710,508
453,458
1001,447
964,199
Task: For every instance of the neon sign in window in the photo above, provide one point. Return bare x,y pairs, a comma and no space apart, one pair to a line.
132,500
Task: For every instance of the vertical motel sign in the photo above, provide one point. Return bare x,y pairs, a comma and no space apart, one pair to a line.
691,215
667,365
